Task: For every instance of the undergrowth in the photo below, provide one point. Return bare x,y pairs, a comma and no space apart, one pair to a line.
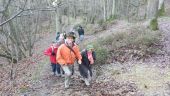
136,43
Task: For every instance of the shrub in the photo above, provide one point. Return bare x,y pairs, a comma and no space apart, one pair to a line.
90,29
101,53
105,41
136,43
147,38
154,24
111,18
100,22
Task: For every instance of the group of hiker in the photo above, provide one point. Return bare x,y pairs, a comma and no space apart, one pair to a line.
65,52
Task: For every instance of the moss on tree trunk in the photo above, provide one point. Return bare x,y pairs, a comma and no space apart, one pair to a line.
161,12
154,24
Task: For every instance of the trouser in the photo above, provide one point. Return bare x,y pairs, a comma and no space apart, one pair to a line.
56,68
85,71
78,41
81,37
68,71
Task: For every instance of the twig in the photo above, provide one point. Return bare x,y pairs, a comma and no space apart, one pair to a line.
14,15
11,18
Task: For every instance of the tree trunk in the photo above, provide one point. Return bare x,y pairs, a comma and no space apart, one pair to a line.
104,10
16,44
152,9
161,8
152,13
113,7
58,20
161,2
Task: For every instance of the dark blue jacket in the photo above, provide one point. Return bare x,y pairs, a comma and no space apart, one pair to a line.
81,31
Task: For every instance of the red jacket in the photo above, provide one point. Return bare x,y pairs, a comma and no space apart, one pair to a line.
48,53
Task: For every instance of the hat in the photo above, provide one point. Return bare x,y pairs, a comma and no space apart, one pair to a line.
71,34
89,47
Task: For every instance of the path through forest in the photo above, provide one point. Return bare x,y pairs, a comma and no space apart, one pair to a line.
47,85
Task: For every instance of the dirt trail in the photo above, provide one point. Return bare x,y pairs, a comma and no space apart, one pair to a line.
42,83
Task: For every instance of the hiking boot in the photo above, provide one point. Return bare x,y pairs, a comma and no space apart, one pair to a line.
81,81
66,86
58,75
66,83
53,73
90,78
62,75
86,82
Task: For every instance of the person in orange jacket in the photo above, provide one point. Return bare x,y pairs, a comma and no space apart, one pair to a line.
51,52
67,54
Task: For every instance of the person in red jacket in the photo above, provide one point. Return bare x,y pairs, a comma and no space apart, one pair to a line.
51,52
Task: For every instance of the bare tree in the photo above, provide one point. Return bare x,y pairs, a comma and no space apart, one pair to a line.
20,23
161,8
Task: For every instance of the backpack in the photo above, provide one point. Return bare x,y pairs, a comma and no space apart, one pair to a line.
53,53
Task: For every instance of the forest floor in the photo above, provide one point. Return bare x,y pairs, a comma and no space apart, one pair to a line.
134,78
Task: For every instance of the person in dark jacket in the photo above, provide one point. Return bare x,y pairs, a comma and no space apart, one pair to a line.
57,36
81,33
88,59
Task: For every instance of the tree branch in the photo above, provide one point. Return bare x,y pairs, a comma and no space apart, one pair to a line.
14,15
11,18
8,57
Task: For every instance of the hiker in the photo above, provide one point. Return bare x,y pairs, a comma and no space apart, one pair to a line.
66,56
61,38
88,58
57,36
51,52
81,33
73,33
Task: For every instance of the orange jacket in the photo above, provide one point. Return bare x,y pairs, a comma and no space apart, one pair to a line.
66,56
